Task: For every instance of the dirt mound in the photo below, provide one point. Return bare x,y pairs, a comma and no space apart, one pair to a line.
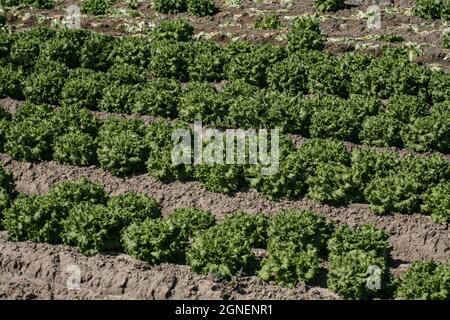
41,271
413,237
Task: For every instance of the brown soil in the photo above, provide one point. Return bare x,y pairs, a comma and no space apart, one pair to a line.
345,28
413,237
39,271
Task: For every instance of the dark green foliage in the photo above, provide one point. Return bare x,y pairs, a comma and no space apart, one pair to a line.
41,4
268,22
75,148
289,267
391,37
245,112
200,102
35,218
392,74
328,5
168,60
332,182
117,97
96,50
72,192
316,151
428,133
201,7
2,18
68,119
288,181
394,193
158,97
338,119
191,221
31,133
439,86
92,228
305,35
289,75
83,89
154,241
125,74
10,3
430,9
121,147
428,171
178,30
442,108
6,41
294,240
65,47
6,191
213,171
27,45
96,7
45,84
406,108
252,226
224,178
160,142
437,202
205,61
166,240
326,75
349,274
236,47
4,127
132,50
425,280
289,113
365,237
368,164
169,6
251,66
131,207
282,178
355,61
381,131
11,82
297,230
225,249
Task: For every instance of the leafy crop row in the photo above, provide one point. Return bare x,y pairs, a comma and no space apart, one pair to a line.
329,5
324,170
7,192
39,4
433,9
196,7
81,214
83,69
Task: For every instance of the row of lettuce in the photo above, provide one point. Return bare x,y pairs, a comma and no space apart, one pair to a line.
195,7
433,9
104,7
81,214
323,170
301,90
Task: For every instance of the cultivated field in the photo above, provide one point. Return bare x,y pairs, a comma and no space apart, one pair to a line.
354,97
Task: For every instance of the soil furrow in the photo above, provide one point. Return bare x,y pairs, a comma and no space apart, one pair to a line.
413,237
41,271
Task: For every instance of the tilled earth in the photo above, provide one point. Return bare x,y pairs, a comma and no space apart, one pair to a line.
29,270
41,271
